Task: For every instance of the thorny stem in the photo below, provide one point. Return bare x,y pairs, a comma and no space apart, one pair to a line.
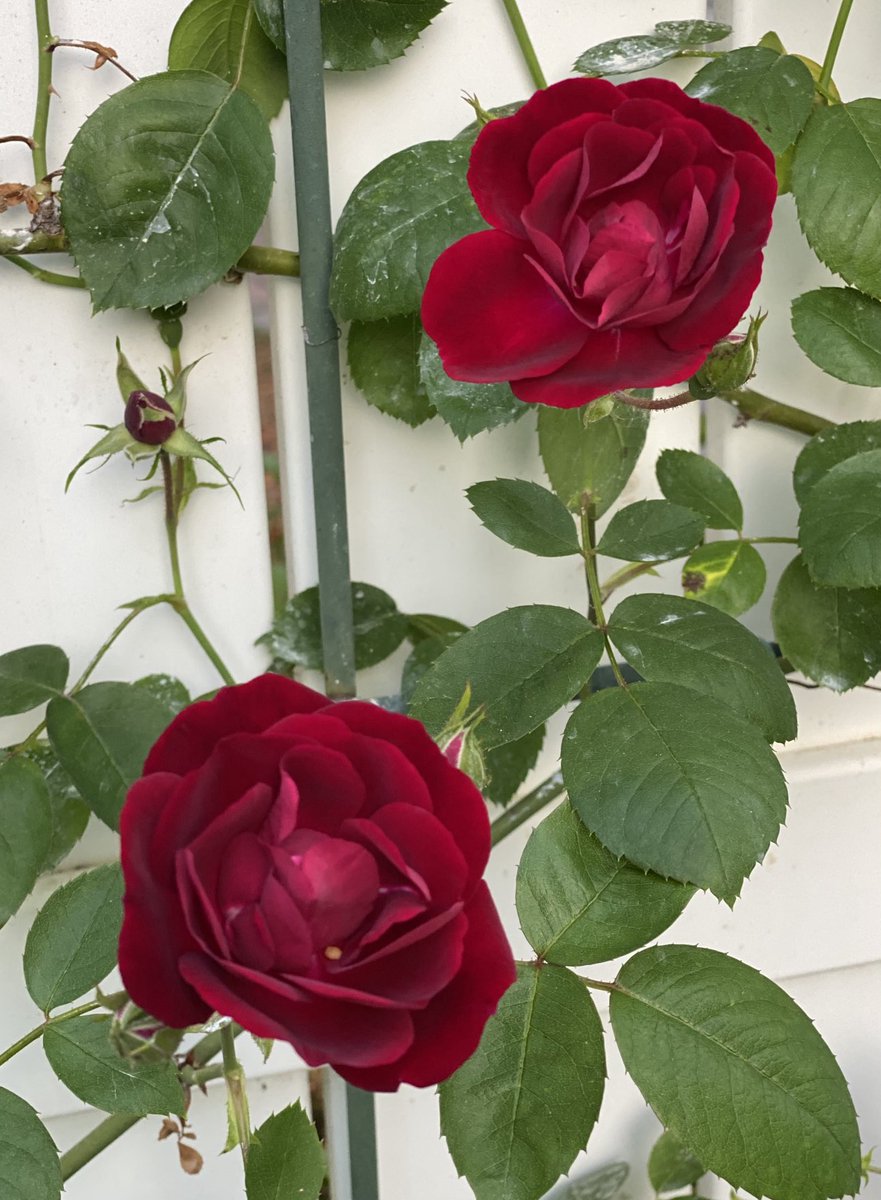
70,281
655,405
755,407
44,89
516,814
834,42
235,1087
599,984
594,590
93,48
37,1033
524,41
257,260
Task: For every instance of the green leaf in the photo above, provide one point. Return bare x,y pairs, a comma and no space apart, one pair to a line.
468,408
81,1055
694,481
840,525
295,637
578,903
623,55
651,531
729,575
831,635
522,665
774,92
69,813
668,639
672,1166
520,1109
165,186
507,766
737,1071
396,222
525,515
428,625
603,1184
167,690
830,447
675,782
29,1165
358,34
286,1159
25,831
31,676
839,329
72,943
101,737
424,653
836,181
225,38
594,459
383,360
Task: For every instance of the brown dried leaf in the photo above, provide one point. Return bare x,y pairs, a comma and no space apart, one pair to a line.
169,1129
14,193
190,1158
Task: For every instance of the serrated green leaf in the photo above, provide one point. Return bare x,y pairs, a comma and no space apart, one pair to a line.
69,813
167,690
773,92
30,1168
830,447
839,529
424,653
836,180
31,676
81,1055
603,1184
25,831
165,186
578,903
672,1166
519,1110
675,782
396,222
72,943
507,766
839,329
668,639
693,33
729,575
590,460
286,1159
384,362
225,38
295,637
101,737
694,481
621,56
832,635
428,625
522,665
734,1067
525,515
468,408
651,531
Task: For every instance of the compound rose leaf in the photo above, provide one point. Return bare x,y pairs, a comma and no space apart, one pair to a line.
652,531
165,186
694,481
525,515
520,1109
738,1072
730,575
285,1159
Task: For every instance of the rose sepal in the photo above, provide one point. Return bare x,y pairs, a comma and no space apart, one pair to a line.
117,440
184,445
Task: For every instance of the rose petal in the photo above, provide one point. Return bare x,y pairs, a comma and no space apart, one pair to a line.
492,314
387,774
427,847
248,707
344,881
210,848
329,787
449,1029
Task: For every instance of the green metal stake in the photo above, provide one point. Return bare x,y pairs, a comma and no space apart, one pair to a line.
309,133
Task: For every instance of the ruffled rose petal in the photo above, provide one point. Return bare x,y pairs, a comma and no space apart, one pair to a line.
329,788
492,314
248,707
449,1029
428,848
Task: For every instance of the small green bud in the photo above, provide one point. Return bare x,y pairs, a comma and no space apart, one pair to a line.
730,364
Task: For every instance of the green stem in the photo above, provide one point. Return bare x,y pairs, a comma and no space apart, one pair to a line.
269,260
176,364
44,92
755,407
524,41
235,1087
599,984
36,1034
595,592
185,613
258,260
834,43
625,575
70,281
788,541
516,814
22,241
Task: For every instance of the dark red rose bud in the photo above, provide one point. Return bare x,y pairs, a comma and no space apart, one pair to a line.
149,418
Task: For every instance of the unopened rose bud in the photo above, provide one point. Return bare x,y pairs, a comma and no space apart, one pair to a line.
149,418
731,363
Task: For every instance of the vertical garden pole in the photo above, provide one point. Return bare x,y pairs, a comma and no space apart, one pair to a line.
356,1178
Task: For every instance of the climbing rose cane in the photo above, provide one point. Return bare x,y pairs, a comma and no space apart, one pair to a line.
313,870
627,232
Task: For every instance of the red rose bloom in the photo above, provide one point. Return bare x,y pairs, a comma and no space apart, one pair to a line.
313,870
627,232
